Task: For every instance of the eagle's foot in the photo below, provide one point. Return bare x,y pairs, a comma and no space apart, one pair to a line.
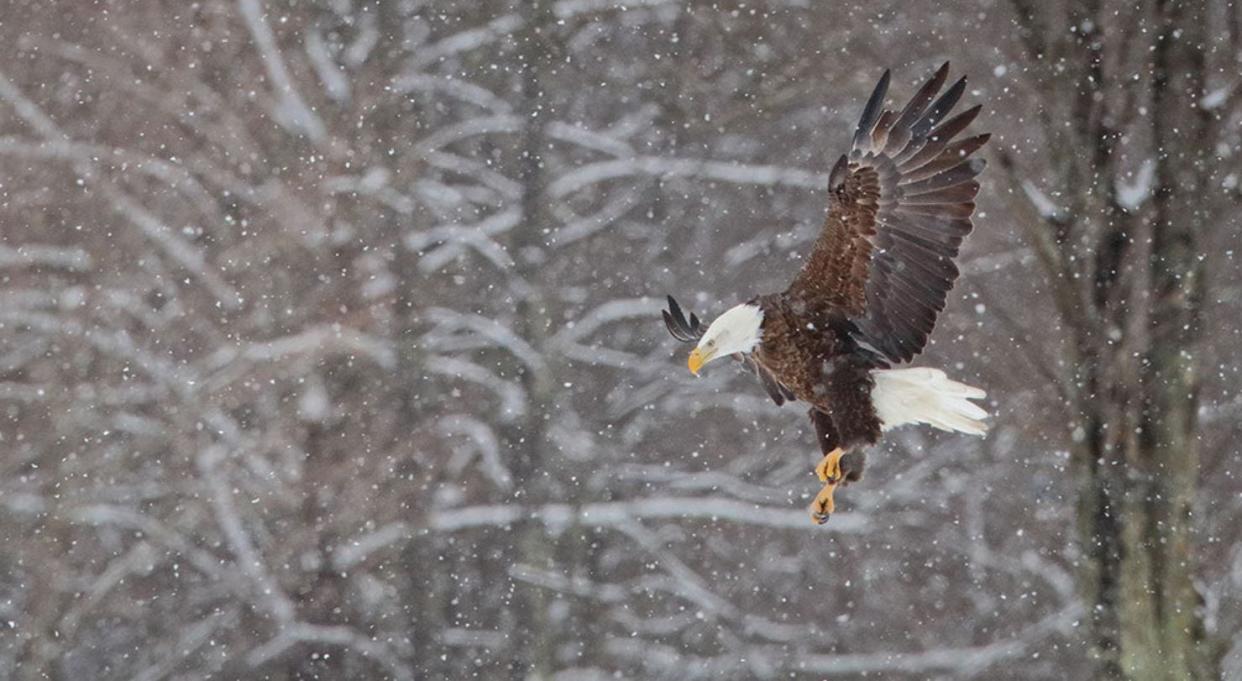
829,472
829,468
823,506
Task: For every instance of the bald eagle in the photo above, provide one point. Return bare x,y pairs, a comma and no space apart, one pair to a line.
899,204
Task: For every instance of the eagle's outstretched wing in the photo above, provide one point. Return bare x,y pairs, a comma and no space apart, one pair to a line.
691,330
899,206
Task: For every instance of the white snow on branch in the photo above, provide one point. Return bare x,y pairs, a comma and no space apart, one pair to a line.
454,87
611,311
995,262
292,112
769,661
472,127
721,171
186,255
568,340
467,40
28,110
485,443
578,227
589,139
248,558
366,40
508,24
374,183
139,561
601,356
498,334
565,9
512,396
26,393
477,170
616,514
314,342
454,239
577,584
1132,194
347,556
178,379
191,637
335,83
473,638
165,171
605,514
109,514
1043,204
36,255
334,635
1214,99
964,661
683,581
175,247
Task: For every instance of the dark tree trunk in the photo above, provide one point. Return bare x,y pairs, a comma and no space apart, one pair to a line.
1163,634
1139,460
1131,299
526,441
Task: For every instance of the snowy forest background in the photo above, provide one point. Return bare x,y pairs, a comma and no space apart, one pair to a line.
330,344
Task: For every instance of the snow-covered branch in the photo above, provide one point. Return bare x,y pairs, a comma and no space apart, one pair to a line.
497,334
335,83
965,660
313,343
512,395
616,515
333,635
442,244
485,443
656,166
36,255
292,110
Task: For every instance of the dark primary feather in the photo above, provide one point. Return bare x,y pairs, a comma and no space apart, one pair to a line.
871,111
686,331
897,215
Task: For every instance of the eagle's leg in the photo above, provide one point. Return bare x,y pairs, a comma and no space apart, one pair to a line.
829,468
855,425
829,472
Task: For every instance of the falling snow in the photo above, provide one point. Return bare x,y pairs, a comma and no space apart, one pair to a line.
330,342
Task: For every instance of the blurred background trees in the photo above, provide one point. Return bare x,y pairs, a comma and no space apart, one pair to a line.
1138,174
330,345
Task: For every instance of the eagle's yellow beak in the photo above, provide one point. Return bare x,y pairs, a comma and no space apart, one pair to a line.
696,361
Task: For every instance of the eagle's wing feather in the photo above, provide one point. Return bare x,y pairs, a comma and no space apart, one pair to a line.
779,392
899,206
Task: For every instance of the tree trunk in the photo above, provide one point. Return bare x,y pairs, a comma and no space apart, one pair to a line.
526,441
1138,455
1163,617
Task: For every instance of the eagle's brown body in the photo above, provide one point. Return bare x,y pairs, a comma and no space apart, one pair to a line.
807,347
867,296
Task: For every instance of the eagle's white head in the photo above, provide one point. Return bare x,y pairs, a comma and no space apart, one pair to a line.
739,329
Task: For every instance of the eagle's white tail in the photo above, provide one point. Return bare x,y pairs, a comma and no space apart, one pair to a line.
924,395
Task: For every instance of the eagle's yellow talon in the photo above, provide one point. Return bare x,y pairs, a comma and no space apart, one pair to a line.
823,506
829,468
